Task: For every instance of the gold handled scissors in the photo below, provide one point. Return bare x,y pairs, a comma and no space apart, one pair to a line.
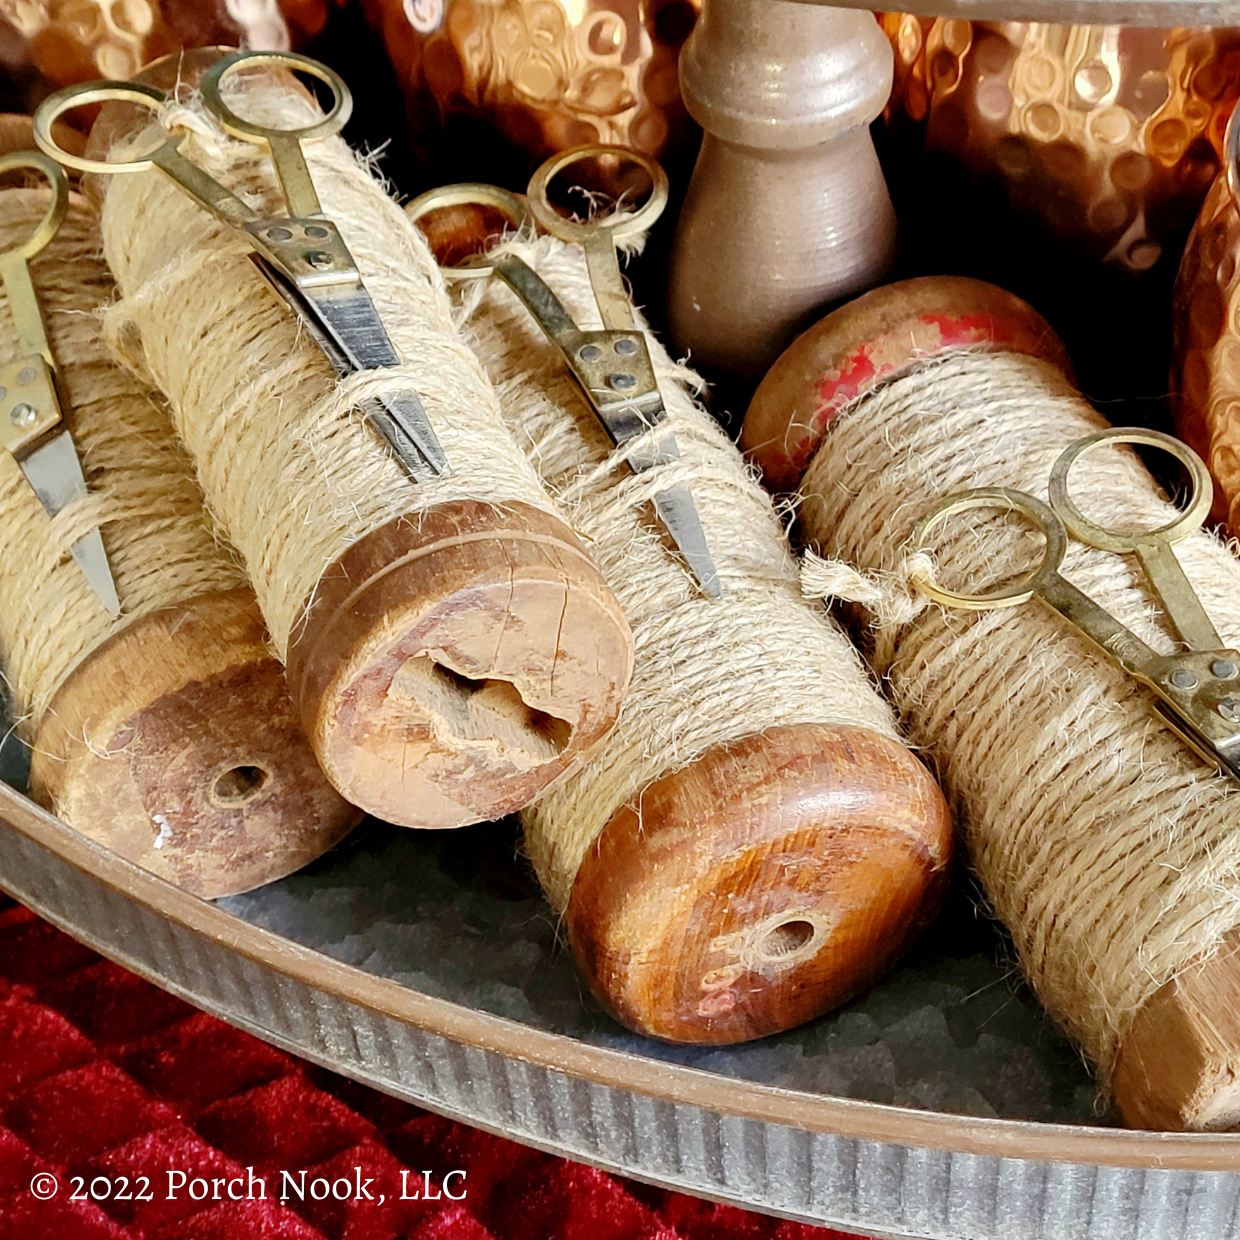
1198,689
302,255
31,421
612,366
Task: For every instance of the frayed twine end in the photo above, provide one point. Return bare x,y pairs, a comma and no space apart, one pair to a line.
891,598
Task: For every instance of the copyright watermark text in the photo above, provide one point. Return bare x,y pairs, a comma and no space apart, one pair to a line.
293,1186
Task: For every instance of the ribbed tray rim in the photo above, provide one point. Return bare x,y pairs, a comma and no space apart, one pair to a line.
695,1087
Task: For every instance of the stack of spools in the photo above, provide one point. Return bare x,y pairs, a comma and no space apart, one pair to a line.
751,843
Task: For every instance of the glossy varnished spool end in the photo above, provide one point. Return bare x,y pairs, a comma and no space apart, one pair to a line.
762,885
176,746
876,338
454,665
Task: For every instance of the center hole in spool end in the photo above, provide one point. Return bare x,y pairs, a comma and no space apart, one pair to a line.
238,785
481,712
786,939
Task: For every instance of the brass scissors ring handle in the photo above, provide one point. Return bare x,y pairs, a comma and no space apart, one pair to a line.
55,106
470,194
248,131
1087,531
618,225
993,497
54,216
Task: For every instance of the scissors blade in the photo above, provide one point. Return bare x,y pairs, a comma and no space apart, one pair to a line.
1224,755
406,450
350,318
347,327
679,514
614,369
55,475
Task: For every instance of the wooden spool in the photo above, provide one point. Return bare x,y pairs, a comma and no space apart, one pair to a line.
1179,1065
452,664
767,881
764,884
787,209
174,743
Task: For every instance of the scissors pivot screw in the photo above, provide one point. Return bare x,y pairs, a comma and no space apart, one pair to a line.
1229,708
319,259
622,383
1183,679
24,416
1224,669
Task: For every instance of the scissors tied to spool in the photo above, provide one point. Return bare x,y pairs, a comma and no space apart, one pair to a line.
302,255
1198,689
612,366
31,419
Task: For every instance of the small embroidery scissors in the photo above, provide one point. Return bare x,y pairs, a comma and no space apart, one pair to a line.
611,366
1198,689
31,421
302,255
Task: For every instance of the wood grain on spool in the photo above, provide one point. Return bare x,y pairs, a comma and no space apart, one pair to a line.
175,745
762,885
452,664
1178,1066
457,665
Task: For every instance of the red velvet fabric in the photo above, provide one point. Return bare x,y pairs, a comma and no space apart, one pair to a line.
106,1079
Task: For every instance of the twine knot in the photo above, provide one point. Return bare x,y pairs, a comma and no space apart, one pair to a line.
892,598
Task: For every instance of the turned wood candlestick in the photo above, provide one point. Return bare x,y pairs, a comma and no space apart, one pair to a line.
762,885
1178,1064
454,662
787,209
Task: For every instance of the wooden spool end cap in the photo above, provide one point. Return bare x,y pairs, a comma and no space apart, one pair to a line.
1179,1066
881,335
453,665
175,745
762,885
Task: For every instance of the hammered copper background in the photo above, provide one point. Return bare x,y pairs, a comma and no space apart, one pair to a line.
544,74
1108,136
1205,377
45,44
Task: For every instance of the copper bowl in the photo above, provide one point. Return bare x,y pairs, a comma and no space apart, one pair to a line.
1205,372
505,83
1107,136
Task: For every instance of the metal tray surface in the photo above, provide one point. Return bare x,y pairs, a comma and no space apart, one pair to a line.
691,1120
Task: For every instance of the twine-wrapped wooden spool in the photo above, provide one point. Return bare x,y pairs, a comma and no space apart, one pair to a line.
450,645
1109,849
166,733
753,844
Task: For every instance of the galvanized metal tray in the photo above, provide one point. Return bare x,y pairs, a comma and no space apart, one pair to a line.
884,1170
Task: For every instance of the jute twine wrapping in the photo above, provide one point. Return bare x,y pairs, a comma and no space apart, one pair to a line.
142,489
1107,847
708,672
290,469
